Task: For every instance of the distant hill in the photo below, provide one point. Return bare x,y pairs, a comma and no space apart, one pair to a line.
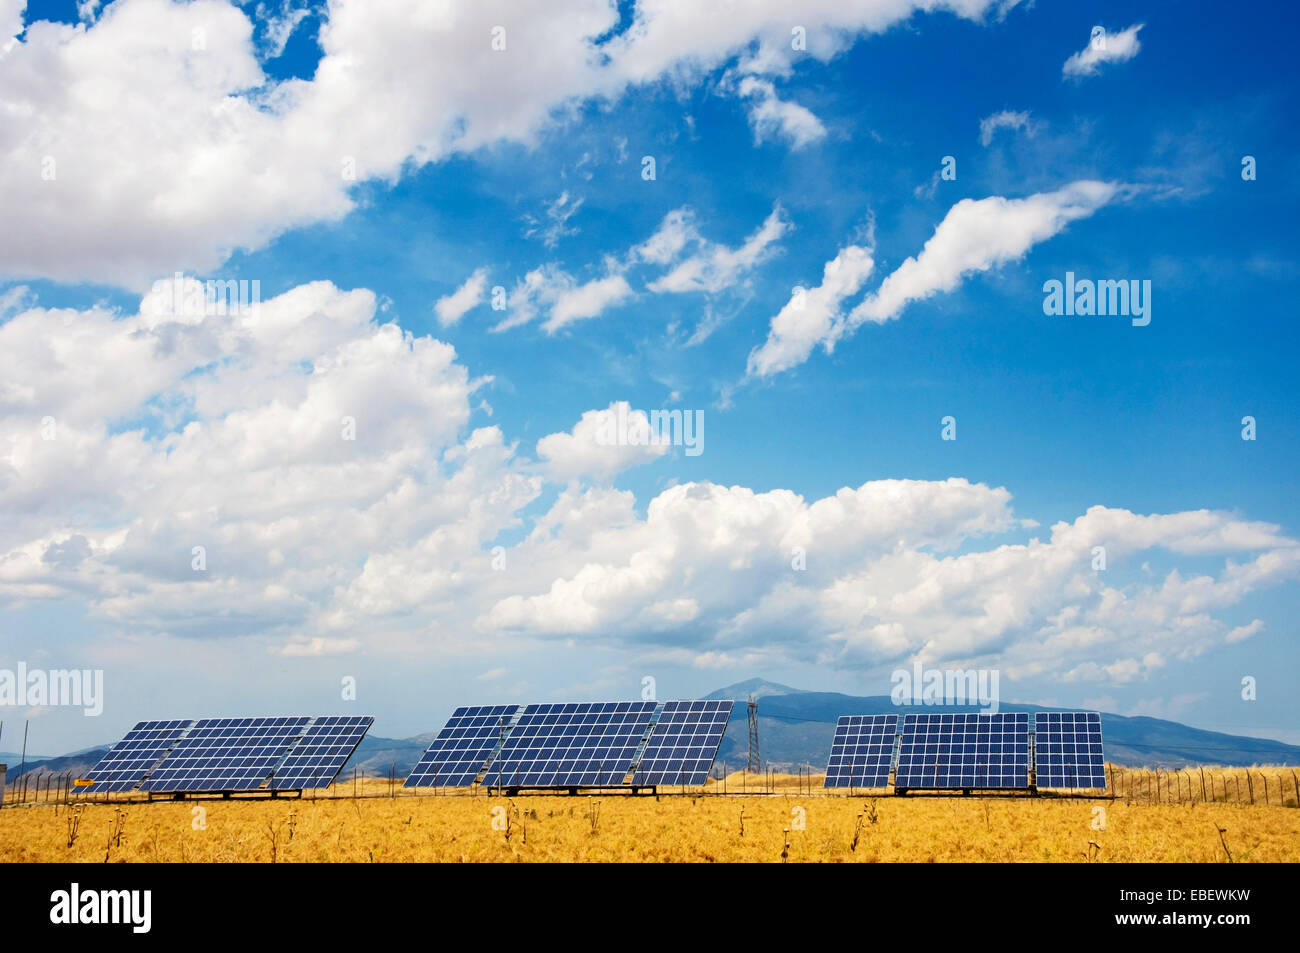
15,757
796,727
78,763
376,756
758,687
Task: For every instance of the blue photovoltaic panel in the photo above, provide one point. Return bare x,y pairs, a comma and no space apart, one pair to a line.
225,754
862,752
128,761
1067,750
683,743
571,745
464,745
964,751
320,752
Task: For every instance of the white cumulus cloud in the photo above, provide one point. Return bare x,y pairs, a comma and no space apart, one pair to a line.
327,469
99,189
593,447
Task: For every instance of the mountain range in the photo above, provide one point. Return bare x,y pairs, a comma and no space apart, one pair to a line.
795,729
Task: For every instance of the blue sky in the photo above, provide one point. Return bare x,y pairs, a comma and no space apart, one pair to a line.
325,566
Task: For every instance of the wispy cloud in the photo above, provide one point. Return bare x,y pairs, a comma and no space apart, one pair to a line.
554,223
772,117
812,316
713,267
1103,48
454,306
1006,119
975,236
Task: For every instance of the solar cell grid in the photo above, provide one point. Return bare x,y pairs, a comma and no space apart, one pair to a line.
964,751
572,745
128,761
683,743
1068,751
320,752
225,754
862,751
462,747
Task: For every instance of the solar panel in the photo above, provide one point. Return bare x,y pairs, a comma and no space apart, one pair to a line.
1067,750
683,743
225,754
862,752
964,751
572,745
320,752
462,747
128,761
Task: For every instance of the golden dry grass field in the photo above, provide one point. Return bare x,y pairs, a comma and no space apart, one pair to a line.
683,828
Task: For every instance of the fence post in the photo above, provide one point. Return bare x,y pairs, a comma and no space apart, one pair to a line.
1202,784
1250,786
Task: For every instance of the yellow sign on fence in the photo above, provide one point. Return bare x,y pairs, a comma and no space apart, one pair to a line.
82,783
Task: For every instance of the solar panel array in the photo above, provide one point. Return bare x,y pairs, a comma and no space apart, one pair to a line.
684,743
571,745
225,754
1067,750
462,747
862,752
229,754
128,761
968,750
964,751
320,752
595,744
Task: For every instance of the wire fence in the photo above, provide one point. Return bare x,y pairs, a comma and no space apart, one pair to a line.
1264,786
1269,786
